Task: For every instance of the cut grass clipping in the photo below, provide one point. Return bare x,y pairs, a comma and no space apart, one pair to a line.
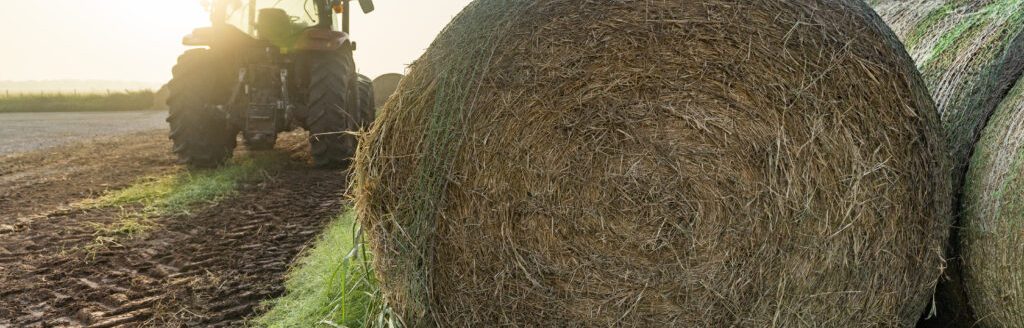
181,192
332,285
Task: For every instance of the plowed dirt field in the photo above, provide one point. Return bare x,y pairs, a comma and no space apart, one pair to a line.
206,268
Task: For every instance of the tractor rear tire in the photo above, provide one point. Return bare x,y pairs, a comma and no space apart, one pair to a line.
332,108
202,136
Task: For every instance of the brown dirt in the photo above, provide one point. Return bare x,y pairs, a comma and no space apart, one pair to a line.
207,269
53,178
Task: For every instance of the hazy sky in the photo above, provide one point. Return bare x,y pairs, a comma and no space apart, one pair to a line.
139,40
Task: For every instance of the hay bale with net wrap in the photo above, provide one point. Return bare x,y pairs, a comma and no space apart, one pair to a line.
384,86
992,240
648,163
970,54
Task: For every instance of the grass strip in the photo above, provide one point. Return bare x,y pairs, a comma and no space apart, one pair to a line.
59,102
179,192
332,285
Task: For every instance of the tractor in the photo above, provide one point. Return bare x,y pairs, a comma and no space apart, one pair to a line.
264,67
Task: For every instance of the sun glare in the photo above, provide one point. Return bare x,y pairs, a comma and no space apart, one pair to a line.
141,40
96,39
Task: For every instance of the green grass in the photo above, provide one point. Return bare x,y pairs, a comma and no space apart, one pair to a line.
64,102
331,286
178,193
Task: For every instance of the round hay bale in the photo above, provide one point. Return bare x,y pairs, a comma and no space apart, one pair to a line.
970,53
649,163
384,86
993,235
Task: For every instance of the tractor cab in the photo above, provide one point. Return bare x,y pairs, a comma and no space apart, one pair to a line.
249,15
287,24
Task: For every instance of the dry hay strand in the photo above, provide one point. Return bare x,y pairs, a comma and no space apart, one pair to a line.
992,241
970,54
384,86
648,163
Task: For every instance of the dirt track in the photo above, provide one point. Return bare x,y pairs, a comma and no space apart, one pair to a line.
210,268
20,132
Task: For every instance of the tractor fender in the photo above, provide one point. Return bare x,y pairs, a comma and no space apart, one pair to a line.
198,37
220,36
321,39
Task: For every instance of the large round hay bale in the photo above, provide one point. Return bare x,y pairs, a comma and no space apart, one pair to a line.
384,86
649,163
970,53
993,234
